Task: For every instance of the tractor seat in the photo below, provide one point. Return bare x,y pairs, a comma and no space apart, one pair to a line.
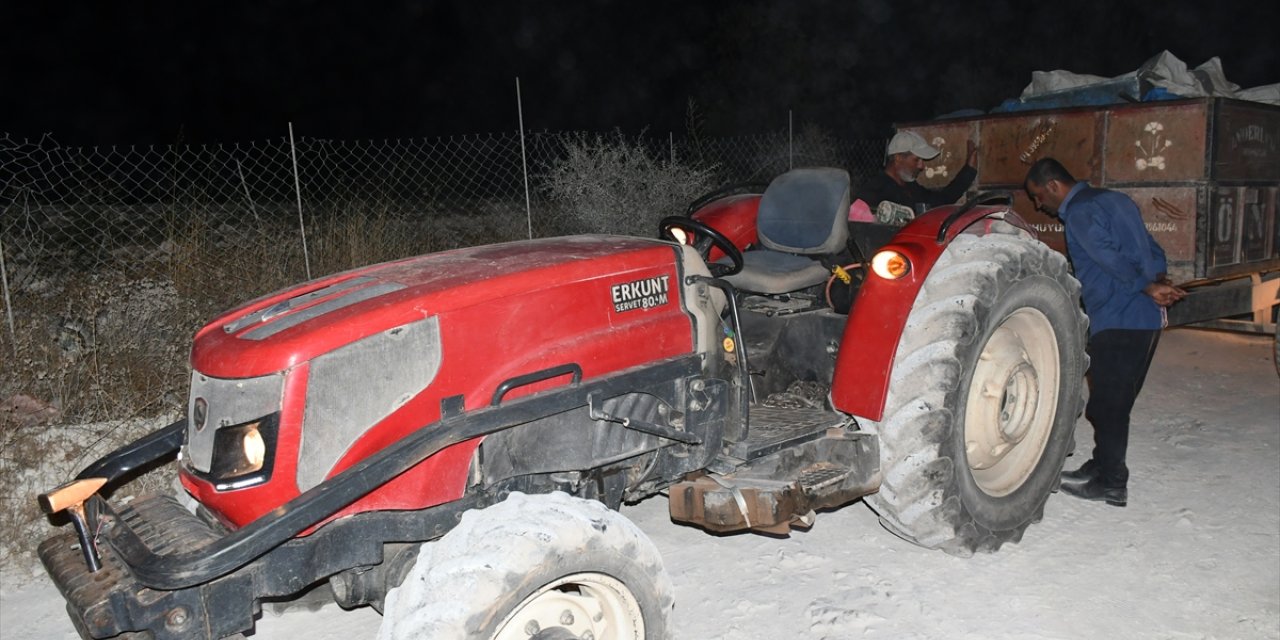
801,218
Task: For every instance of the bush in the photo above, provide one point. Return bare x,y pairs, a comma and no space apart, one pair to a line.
38,457
615,185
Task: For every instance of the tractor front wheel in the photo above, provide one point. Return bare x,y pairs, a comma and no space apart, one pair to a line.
535,566
985,392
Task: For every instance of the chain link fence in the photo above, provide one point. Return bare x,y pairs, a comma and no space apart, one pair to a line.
92,207
112,257
167,213
106,250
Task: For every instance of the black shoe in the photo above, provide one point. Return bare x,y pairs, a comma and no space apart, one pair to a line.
1087,471
1093,490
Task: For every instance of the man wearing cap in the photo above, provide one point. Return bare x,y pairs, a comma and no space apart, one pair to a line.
904,160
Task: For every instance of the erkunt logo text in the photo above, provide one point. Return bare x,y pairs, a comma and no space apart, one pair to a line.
641,294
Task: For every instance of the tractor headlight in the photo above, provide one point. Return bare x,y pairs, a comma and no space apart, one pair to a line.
680,235
890,264
254,448
231,432
241,453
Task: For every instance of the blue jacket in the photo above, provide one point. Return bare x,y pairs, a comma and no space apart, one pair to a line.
1114,258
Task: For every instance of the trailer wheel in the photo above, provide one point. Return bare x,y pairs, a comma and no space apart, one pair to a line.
535,566
984,395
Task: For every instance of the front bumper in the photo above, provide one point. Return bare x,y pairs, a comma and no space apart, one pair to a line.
175,575
115,600
112,601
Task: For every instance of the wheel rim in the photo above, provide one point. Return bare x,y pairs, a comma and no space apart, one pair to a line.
582,605
1012,401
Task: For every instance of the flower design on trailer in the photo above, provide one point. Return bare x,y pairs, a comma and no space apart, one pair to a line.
940,169
1151,147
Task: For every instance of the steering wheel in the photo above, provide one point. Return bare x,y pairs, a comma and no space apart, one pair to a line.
704,232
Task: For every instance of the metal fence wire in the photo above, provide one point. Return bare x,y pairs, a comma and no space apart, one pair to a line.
88,233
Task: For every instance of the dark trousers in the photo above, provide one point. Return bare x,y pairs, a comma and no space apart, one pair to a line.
1118,363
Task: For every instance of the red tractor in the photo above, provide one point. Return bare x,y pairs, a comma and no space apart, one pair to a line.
447,437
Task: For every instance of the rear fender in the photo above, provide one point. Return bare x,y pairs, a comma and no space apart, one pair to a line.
733,216
880,312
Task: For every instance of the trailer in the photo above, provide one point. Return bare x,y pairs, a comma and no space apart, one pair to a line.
1205,173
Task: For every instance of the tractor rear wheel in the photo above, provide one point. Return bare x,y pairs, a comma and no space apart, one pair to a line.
984,395
535,566
1275,339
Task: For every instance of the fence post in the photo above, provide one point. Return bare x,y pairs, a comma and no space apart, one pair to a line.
4,280
247,197
524,160
297,189
791,137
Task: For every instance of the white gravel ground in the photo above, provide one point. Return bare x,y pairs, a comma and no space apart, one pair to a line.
1196,554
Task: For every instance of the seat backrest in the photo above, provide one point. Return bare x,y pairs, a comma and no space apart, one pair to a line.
804,211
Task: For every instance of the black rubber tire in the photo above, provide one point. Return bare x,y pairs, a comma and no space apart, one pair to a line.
1275,339
468,582
930,494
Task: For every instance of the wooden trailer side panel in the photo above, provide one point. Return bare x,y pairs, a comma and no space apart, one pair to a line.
1242,230
1205,172
1156,144
1246,143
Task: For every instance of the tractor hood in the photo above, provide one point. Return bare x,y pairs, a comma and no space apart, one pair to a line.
598,279
299,385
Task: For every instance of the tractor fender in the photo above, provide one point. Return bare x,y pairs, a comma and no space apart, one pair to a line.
734,217
870,341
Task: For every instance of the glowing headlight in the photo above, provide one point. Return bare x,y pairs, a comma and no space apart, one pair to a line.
255,448
238,450
242,453
890,264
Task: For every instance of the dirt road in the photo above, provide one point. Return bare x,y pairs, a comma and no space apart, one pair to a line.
1196,554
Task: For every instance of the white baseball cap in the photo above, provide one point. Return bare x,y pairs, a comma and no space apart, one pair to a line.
904,141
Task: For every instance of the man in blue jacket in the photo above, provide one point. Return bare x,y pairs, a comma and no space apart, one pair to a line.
1121,270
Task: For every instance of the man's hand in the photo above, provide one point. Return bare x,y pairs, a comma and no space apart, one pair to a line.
971,154
1163,293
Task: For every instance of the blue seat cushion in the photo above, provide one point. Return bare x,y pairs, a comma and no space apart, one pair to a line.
804,211
765,271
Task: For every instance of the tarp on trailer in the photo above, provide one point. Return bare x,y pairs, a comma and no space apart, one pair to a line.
1163,77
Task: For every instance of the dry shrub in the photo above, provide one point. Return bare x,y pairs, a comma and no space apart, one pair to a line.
218,265
359,234
106,347
99,363
36,457
615,185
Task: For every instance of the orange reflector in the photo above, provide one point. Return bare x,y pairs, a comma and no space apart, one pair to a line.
890,264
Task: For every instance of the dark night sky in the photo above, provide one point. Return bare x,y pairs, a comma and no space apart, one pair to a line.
142,72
